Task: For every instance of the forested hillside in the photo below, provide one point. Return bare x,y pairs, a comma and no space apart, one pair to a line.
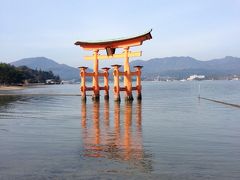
11,75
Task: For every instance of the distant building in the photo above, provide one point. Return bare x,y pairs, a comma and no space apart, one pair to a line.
196,77
51,81
236,78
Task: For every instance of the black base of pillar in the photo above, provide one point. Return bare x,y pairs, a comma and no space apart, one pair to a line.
84,98
117,98
129,98
139,97
106,97
95,97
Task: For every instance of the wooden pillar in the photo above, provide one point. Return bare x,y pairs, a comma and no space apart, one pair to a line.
83,82
138,83
127,76
106,85
95,95
116,82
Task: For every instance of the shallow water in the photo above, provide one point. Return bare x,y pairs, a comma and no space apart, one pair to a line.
171,134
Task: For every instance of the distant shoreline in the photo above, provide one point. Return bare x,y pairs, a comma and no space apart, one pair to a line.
10,88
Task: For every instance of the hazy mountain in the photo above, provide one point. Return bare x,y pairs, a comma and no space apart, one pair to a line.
175,67
64,71
182,67
228,63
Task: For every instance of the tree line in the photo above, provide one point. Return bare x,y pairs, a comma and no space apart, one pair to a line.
11,75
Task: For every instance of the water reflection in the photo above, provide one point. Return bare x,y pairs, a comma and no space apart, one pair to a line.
120,139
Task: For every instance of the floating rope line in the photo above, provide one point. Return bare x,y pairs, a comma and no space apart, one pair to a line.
221,102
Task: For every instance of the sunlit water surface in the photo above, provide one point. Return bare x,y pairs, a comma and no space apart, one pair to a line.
171,134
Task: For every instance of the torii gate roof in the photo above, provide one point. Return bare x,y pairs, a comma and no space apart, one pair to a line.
115,43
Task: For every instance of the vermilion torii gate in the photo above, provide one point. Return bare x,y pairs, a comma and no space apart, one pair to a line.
110,47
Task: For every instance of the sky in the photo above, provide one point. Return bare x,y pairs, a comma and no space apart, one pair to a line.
202,29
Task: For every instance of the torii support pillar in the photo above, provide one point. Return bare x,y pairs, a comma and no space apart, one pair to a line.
83,82
127,77
116,88
138,83
106,86
95,96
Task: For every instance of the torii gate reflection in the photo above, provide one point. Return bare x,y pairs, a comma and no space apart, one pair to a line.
121,141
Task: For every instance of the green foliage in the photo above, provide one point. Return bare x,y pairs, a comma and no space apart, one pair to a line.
11,75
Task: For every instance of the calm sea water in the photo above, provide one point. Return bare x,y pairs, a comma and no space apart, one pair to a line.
171,134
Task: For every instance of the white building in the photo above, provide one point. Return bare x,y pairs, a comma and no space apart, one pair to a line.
195,77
